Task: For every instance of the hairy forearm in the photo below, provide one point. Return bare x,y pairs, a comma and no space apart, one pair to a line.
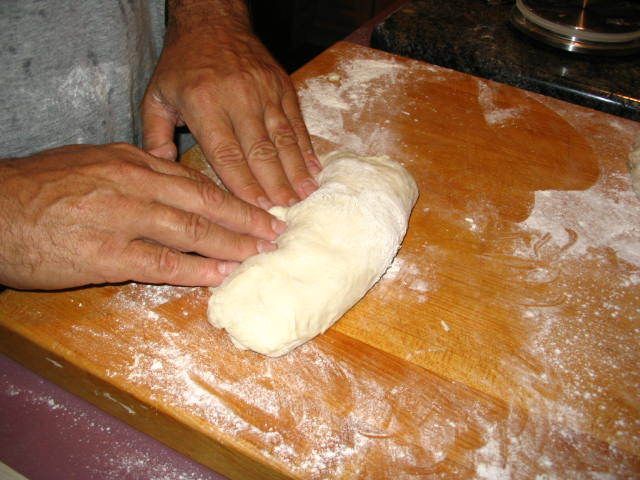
185,16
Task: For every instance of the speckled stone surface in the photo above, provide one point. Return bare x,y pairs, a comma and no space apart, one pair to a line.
474,37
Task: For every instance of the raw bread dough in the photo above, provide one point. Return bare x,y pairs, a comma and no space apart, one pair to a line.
338,243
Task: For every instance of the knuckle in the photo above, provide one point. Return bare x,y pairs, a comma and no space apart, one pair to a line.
193,94
284,137
113,274
125,150
112,168
198,88
277,75
211,195
124,168
168,262
93,205
261,151
243,80
110,248
196,228
198,176
282,75
248,188
299,174
247,214
111,262
228,155
283,193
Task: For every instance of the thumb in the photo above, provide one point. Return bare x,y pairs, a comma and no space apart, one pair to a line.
158,125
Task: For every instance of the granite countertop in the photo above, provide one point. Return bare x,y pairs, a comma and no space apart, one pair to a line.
475,37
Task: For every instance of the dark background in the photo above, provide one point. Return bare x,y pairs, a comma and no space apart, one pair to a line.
297,30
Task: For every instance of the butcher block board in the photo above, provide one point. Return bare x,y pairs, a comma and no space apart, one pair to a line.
502,343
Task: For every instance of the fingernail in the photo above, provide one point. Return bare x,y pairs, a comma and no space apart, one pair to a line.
278,226
264,246
225,268
314,162
264,203
314,168
309,186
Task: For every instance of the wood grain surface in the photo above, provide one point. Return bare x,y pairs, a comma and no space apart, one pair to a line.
502,343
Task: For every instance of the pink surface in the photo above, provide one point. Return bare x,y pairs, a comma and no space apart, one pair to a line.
48,433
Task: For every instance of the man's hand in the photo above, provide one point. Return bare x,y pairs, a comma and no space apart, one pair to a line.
83,214
216,77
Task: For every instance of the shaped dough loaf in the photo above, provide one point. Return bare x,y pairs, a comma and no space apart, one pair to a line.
338,243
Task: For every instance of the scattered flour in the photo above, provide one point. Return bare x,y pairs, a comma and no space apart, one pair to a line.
416,283
493,115
419,285
614,219
352,92
566,370
145,298
473,226
394,269
316,412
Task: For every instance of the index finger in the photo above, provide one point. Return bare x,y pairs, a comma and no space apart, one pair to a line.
291,108
147,262
207,200
221,148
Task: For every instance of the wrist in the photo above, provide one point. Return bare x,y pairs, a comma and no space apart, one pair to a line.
186,17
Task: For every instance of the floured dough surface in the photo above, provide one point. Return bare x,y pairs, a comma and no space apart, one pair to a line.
338,243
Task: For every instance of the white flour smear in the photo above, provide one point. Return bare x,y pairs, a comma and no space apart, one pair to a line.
493,115
613,219
357,86
415,283
318,416
567,373
324,414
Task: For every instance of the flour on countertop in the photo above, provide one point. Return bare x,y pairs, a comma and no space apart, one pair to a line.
494,115
414,283
147,297
394,269
353,91
565,369
614,219
270,406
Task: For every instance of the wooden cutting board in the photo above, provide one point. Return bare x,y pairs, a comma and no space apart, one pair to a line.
502,343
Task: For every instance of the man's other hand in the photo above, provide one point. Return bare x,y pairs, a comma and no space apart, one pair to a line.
216,77
93,214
